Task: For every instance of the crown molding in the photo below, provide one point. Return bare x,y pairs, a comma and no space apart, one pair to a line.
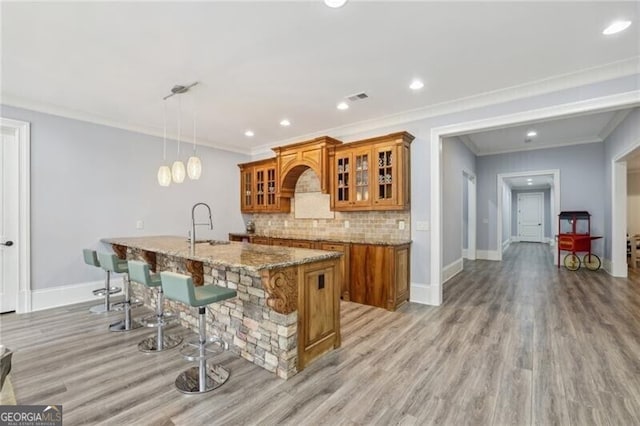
17,102
466,140
610,71
618,117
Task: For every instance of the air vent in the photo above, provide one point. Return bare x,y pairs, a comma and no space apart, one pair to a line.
357,97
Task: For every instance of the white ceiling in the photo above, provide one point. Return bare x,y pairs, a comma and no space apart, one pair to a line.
259,62
588,128
530,182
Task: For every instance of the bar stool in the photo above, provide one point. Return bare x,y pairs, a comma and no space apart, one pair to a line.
91,258
139,272
198,379
111,263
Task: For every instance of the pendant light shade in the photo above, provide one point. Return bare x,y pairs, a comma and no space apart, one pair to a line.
164,176
178,171
194,168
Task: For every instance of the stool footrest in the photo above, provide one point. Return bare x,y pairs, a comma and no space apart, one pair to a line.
212,346
152,320
103,291
187,381
150,344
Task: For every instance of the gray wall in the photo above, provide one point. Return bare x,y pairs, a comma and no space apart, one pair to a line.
506,213
90,182
547,210
465,212
623,139
456,158
581,183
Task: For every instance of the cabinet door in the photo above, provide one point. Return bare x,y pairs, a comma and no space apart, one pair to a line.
271,202
401,278
246,190
368,271
343,169
260,179
385,177
344,265
362,177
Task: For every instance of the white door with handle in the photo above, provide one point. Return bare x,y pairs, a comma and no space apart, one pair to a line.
9,178
531,217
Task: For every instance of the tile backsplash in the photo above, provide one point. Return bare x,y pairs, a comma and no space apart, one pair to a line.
369,225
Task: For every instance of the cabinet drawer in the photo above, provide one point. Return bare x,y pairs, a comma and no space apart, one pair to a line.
301,244
332,247
260,240
280,242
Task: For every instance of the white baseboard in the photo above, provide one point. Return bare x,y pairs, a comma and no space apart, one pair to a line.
506,244
451,270
488,255
425,294
465,253
67,295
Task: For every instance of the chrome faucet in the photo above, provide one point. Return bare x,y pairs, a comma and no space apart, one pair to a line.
193,224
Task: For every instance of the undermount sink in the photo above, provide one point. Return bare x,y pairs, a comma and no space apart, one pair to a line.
212,242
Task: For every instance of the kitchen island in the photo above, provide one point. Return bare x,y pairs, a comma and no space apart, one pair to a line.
287,312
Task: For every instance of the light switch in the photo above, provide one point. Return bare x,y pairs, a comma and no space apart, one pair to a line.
346,223
286,223
139,224
401,225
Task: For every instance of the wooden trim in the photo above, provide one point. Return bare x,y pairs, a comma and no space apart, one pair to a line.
196,269
120,251
150,258
281,286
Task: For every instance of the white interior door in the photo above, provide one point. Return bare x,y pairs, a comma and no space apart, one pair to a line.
9,210
530,217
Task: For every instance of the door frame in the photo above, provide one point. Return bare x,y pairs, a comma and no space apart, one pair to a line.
618,267
22,131
434,291
541,196
471,215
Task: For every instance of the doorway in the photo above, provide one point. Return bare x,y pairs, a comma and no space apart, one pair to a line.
15,288
530,216
468,215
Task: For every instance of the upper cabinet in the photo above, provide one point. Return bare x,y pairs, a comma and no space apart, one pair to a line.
373,174
259,188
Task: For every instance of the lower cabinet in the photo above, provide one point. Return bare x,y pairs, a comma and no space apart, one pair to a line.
344,264
379,275
260,240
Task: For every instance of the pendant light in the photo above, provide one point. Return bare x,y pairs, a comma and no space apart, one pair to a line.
164,173
194,165
177,169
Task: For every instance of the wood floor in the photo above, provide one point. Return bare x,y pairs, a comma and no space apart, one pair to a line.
516,342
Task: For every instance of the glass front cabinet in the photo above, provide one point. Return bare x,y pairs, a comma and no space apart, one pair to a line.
372,175
259,187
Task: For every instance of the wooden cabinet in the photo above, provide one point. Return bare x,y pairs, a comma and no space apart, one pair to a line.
260,240
318,310
379,275
373,174
344,264
259,190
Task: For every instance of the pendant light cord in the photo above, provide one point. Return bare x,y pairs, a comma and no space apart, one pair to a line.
164,132
179,125
194,123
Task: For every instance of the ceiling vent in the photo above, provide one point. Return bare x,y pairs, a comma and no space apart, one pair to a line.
357,96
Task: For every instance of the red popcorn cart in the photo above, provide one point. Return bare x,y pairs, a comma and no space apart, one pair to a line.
574,236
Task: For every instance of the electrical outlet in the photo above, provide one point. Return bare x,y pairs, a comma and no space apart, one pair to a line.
269,223
286,223
401,225
422,225
315,223
346,223
139,224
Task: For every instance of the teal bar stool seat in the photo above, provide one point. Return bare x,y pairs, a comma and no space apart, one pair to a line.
198,379
112,264
139,272
91,258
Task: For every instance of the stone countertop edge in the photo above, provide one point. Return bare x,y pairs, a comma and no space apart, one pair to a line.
328,240
251,257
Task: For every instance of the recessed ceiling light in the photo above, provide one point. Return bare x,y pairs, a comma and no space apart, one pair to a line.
532,133
529,180
285,123
616,27
342,106
249,133
416,85
335,3
529,183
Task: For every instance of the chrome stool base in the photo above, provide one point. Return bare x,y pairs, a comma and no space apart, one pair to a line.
122,326
98,309
188,382
151,344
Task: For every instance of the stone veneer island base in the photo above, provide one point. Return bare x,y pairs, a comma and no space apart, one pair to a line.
287,312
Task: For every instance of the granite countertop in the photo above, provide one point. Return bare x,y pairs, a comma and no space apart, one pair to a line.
252,257
351,240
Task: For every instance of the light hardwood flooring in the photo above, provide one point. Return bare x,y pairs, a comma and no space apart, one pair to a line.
516,342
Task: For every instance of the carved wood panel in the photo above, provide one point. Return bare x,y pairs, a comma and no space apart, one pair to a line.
150,258
196,269
282,289
120,251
